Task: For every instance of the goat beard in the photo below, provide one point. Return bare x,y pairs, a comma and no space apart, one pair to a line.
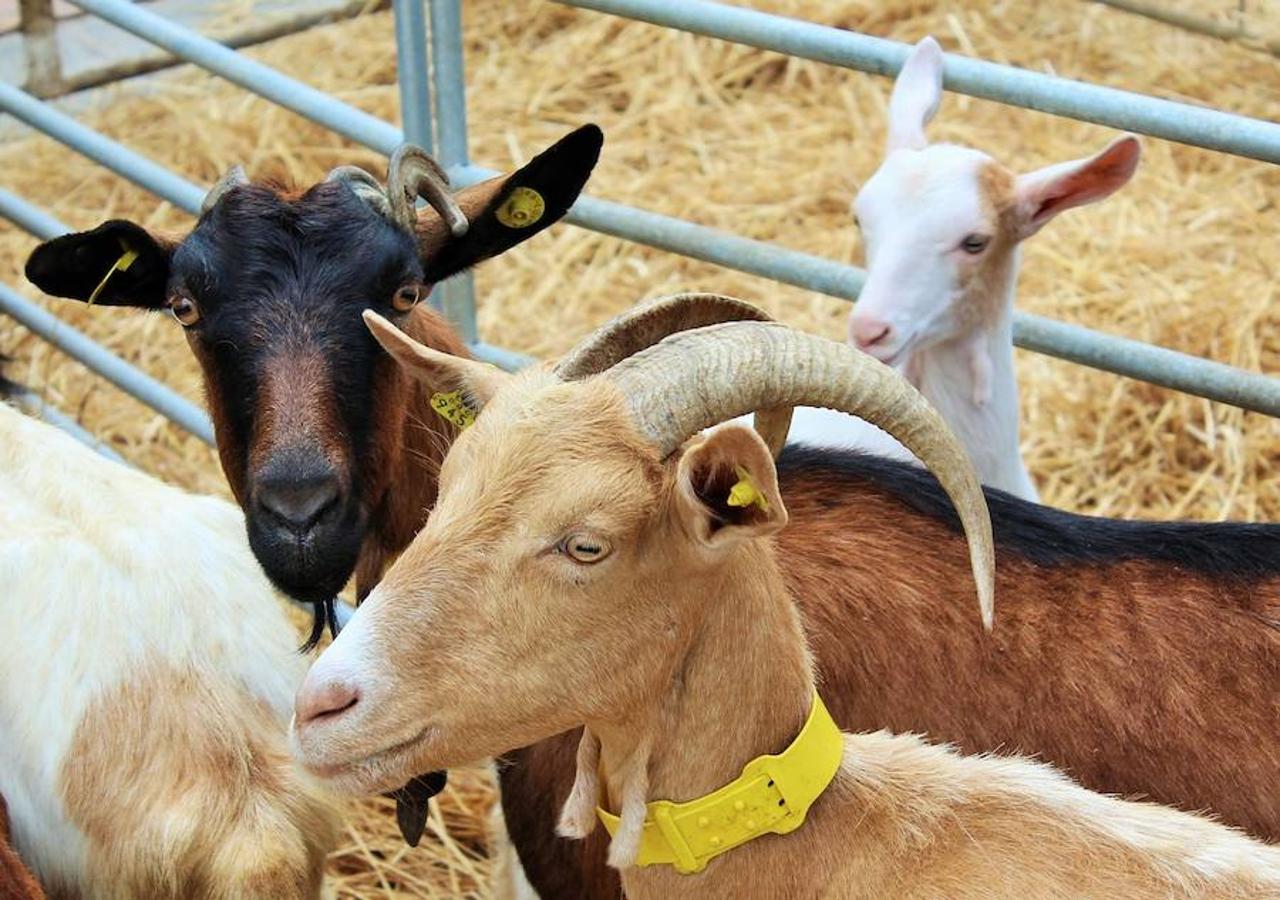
411,804
322,614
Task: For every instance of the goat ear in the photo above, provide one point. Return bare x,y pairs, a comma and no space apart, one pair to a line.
95,266
1043,194
726,488
916,95
509,210
478,381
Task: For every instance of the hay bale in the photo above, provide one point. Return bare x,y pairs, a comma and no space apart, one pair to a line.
772,148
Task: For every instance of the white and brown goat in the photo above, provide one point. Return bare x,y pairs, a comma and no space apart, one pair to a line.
588,564
146,682
942,226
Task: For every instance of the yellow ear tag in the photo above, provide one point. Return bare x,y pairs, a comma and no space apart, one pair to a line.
745,492
121,265
523,208
453,408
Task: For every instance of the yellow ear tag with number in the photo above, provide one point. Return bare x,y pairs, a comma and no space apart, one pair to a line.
452,408
120,265
745,492
523,208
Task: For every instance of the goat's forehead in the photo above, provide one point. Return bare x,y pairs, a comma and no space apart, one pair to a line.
327,222
941,180
541,435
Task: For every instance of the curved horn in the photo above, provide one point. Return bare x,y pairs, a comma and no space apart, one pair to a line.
413,172
696,379
363,185
649,323
234,177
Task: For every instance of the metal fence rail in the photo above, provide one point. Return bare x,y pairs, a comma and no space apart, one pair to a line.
1182,122
434,71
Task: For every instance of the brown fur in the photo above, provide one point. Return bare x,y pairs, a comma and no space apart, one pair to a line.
296,407
1069,674
16,882
238,821
411,441
985,278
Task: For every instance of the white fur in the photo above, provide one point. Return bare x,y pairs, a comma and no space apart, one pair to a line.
915,211
104,567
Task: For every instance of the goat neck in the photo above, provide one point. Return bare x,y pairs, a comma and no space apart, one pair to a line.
972,383
741,688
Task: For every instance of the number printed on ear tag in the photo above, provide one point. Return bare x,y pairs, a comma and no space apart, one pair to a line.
453,408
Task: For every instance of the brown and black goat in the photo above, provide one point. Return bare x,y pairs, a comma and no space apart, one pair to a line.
333,476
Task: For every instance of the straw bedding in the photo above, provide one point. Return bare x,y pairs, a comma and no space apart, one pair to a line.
763,146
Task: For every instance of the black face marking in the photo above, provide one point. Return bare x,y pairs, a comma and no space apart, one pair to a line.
281,284
1047,536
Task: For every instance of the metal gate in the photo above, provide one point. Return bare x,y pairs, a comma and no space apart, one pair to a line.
433,105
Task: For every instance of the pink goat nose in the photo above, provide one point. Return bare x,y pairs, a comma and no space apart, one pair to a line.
324,700
867,331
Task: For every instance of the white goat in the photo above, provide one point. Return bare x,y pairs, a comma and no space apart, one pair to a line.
942,225
146,682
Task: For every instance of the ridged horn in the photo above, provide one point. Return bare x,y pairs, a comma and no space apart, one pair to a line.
648,323
413,173
695,379
363,185
234,177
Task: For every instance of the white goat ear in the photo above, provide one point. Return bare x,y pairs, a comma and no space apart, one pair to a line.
727,488
1043,194
916,95
441,371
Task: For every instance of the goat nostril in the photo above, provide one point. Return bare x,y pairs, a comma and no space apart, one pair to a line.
326,702
867,332
298,505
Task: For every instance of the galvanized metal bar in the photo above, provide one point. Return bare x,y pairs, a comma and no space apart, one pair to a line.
243,33
458,294
94,356
101,149
262,80
451,81
34,405
412,73
1147,362
500,357
1196,125
711,245
40,47
28,217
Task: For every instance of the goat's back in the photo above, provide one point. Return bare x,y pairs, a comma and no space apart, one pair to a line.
145,688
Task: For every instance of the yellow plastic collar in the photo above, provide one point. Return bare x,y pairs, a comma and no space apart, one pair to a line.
771,796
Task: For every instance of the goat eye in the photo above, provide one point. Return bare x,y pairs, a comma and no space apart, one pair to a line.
408,296
974,244
584,548
184,309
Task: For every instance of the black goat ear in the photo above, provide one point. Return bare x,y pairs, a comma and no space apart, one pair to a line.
510,209
117,264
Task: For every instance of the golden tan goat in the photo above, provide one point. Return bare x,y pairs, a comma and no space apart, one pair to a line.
590,563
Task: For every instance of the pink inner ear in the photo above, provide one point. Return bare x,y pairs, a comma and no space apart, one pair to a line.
1093,180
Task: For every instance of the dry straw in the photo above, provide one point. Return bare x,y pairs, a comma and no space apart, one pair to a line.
769,147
